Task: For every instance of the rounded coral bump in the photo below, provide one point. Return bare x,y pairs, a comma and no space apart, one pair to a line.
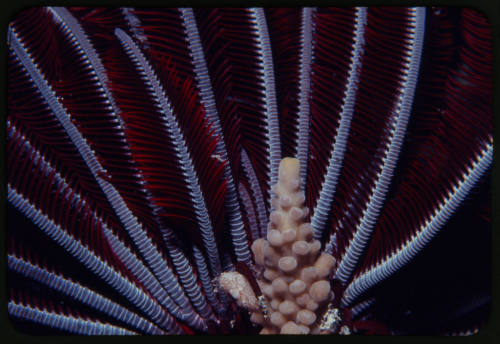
300,248
311,305
288,307
297,287
320,290
257,251
303,300
305,231
289,235
292,328
287,264
309,274
257,318
277,319
275,218
296,213
285,201
306,317
270,274
279,286
275,238
324,265
289,168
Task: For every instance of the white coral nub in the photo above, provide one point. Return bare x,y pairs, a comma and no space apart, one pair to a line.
295,281
239,288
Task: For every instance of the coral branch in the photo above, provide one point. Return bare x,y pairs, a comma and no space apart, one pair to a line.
295,280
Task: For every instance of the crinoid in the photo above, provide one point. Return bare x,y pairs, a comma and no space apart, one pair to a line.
143,146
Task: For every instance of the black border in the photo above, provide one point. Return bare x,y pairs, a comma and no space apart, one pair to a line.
490,333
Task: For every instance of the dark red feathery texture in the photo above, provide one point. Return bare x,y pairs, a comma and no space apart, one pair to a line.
29,113
164,39
380,82
197,129
333,46
146,130
370,327
98,123
80,95
50,299
61,204
99,25
450,114
219,72
51,302
102,20
171,59
236,81
284,25
150,144
249,209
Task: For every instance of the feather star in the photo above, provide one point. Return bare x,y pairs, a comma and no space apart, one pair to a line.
144,182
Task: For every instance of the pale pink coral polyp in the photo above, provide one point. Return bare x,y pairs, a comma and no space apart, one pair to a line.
275,238
306,317
289,235
320,290
300,248
287,264
279,286
297,287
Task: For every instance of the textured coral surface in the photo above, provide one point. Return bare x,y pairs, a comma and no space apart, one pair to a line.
295,277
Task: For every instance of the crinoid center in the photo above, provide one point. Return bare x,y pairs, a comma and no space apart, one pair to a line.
295,280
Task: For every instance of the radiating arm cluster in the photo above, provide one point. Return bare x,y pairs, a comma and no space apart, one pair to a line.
144,154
